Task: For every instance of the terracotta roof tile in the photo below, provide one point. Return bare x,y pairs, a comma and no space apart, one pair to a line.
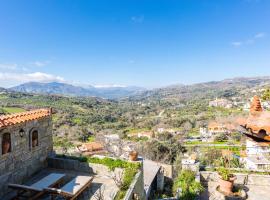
8,120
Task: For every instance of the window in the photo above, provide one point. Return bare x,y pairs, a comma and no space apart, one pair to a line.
34,138
6,143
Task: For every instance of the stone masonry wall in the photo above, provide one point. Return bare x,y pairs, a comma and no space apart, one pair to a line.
23,160
248,179
136,189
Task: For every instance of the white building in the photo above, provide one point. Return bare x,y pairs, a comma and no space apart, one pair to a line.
205,133
257,163
190,164
221,103
257,155
256,148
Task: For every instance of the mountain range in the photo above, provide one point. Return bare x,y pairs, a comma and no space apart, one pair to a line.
224,87
57,88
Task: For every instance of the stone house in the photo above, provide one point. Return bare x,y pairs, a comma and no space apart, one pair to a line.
26,142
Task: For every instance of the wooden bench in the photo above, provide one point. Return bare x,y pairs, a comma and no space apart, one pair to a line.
37,189
72,189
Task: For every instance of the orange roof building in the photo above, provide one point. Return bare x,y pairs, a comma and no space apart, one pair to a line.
9,120
25,144
215,127
91,148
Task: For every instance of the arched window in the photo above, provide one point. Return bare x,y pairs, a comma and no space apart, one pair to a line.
35,138
6,143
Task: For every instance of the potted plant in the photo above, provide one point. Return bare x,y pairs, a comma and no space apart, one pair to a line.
226,180
133,155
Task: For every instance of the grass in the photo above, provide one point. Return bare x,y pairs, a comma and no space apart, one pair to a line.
12,110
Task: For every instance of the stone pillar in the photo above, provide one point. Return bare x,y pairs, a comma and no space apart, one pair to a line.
160,180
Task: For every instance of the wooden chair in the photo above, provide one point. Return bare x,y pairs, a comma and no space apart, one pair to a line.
72,189
36,190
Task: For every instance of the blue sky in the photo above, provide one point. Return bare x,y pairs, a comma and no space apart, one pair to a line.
148,43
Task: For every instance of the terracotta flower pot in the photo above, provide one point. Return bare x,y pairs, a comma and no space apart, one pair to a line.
133,155
6,147
226,186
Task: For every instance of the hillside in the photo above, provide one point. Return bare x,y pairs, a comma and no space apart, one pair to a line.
225,88
182,108
71,90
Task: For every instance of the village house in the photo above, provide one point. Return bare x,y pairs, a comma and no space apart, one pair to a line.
117,147
215,127
257,162
221,103
26,142
146,134
91,148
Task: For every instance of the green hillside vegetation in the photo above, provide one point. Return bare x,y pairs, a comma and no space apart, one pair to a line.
12,110
181,108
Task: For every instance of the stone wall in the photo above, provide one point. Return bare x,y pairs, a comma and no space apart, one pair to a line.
23,160
69,164
136,189
248,179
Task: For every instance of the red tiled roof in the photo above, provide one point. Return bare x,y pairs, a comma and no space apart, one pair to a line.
91,146
8,120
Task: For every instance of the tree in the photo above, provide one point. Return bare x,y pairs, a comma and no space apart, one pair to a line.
221,137
266,95
163,151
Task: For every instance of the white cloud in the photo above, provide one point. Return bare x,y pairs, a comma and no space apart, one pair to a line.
40,63
137,19
27,77
249,41
6,66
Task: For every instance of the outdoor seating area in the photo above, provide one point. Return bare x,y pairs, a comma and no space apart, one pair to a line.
34,191
64,184
52,183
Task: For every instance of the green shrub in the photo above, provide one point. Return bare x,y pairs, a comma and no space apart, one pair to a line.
190,187
129,175
221,137
225,174
113,163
